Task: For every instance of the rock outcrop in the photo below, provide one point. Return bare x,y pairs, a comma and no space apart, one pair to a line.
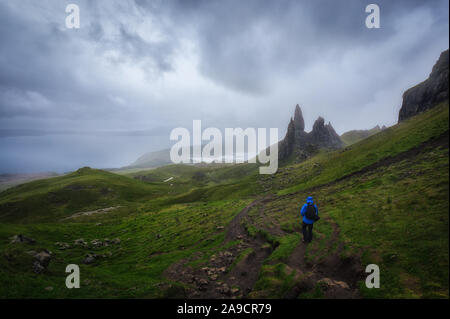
303,144
19,239
429,93
41,261
324,136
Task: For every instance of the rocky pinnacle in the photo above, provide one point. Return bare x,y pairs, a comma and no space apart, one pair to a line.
323,136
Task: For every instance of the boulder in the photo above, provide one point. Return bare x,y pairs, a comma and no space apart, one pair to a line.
80,242
90,258
21,239
37,267
234,290
62,245
334,283
43,257
96,243
224,289
41,261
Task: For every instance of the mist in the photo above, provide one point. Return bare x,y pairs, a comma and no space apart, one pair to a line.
151,66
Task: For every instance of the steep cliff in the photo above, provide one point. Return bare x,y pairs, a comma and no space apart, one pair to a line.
429,93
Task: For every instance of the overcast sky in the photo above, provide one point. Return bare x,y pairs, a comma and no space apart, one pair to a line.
142,68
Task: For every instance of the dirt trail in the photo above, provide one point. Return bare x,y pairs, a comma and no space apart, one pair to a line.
235,228
227,274
232,272
338,276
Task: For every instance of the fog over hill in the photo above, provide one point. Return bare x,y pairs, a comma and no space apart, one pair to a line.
151,66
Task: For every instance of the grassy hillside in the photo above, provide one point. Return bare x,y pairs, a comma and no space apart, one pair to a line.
387,195
204,174
351,137
382,200
59,197
395,216
330,166
10,180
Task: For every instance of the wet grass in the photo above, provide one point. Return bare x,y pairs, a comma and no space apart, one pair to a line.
396,215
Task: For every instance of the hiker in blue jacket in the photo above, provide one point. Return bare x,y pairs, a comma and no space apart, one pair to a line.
309,209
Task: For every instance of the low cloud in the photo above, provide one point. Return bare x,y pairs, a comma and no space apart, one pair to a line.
153,65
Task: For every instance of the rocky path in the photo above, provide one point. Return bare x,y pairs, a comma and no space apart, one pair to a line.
338,276
226,275
233,271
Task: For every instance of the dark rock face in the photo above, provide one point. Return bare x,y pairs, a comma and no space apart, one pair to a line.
429,93
299,122
324,136
303,144
286,146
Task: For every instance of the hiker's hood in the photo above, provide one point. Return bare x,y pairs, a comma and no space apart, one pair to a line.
309,200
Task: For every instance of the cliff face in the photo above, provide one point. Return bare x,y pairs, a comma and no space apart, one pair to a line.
324,136
303,144
430,92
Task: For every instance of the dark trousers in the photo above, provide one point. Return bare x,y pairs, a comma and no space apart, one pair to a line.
307,232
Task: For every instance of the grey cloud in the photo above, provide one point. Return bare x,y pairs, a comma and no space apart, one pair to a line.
142,66
44,58
245,44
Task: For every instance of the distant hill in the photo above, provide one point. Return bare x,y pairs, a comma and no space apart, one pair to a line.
354,136
55,198
10,180
160,158
152,159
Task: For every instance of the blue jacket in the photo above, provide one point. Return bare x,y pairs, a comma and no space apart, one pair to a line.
303,212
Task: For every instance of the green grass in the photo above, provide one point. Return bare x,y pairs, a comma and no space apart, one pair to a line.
285,246
136,266
352,137
329,166
275,281
199,175
49,200
316,294
405,223
396,215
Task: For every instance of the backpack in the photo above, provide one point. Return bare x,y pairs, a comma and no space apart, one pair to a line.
311,213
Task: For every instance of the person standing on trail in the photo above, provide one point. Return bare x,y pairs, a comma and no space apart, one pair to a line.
310,214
